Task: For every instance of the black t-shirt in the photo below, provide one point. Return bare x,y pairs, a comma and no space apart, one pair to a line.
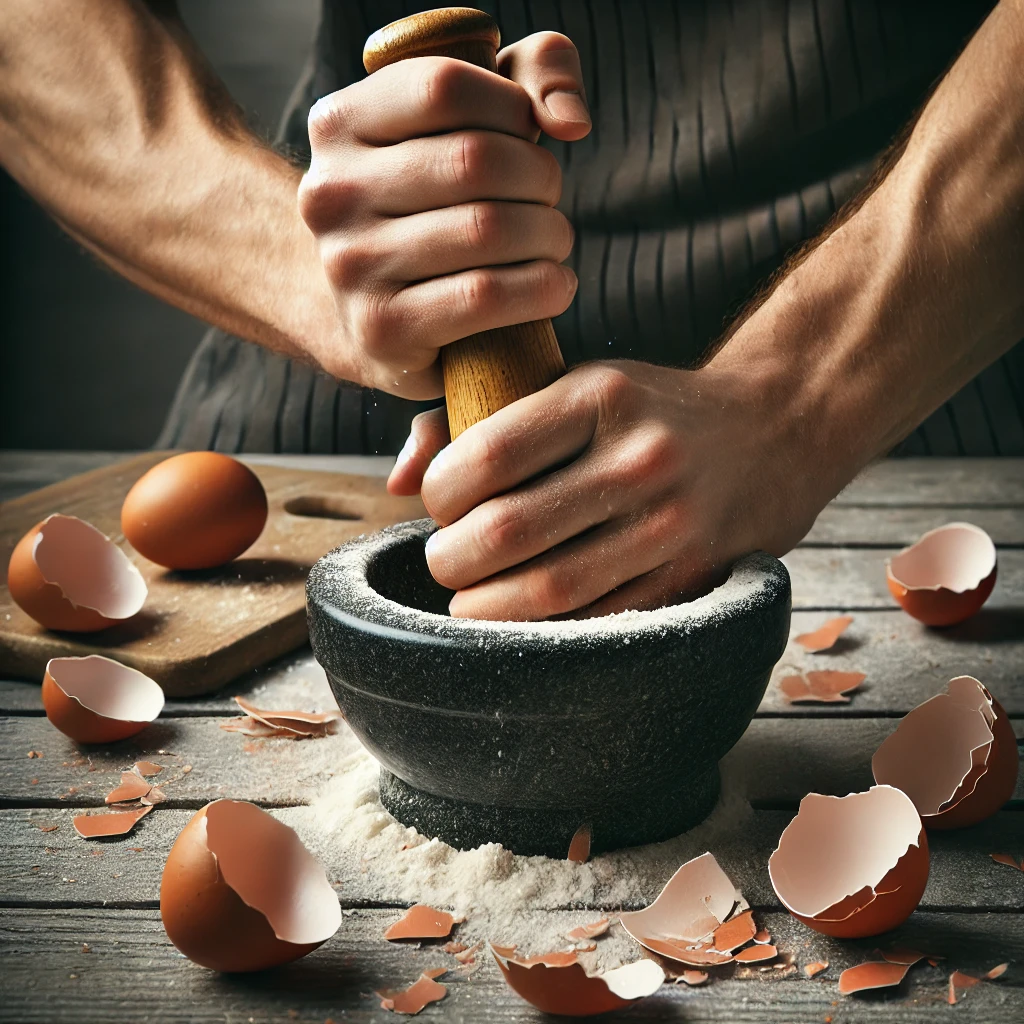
725,134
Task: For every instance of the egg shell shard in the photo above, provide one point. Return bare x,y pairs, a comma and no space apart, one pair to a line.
421,922
148,768
304,723
695,901
132,787
197,510
755,954
69,576
113,823
589,931
852,866
955,756
579,846
946,576
810,970
825,636
410,1001
240,892
99,700
693,978
556,983
736,932
865,977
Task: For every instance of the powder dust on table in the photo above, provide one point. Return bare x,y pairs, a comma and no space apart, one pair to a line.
372,857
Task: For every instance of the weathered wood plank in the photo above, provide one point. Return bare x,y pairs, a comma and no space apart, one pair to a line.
131,972
839,524
949,482
777,761
59,867
851,579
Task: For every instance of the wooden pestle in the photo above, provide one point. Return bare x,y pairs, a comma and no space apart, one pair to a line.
486,371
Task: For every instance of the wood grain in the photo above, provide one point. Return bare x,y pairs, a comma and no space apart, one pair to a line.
487,371
200,629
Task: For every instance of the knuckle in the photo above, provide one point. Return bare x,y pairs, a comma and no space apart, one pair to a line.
326,199
328,120
476,294
441,81
503,529
550,291
470,159
346,262
379,325
551,175
554,591
612,387
483,227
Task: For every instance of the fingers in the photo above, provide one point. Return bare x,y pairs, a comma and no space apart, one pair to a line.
547,66
671,583
428,434
418,97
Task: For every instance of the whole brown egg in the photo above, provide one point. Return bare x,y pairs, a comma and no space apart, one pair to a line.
194,511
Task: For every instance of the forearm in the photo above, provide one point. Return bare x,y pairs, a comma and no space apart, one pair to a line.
112,120
923,286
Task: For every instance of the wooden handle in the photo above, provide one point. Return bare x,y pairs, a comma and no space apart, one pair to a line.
487,371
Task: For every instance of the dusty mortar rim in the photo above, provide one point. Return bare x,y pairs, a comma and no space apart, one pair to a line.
338,585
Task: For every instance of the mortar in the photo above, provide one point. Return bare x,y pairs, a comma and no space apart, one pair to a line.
519,733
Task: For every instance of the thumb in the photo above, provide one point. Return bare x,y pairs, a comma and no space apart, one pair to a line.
547,66
427,436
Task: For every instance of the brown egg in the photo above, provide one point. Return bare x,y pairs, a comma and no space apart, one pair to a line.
241,893
67,575
97,700
852,866
194,511
946,576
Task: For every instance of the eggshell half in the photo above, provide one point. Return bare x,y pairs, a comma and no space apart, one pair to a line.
946,576
67,575
852,866
99,700
557,984
955,756
240,892
195,511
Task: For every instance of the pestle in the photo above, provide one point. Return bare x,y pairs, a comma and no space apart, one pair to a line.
487,371
520,733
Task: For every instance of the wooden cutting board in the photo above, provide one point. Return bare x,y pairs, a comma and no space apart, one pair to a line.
198,630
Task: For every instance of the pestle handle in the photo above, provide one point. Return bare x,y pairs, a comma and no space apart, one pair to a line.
487,371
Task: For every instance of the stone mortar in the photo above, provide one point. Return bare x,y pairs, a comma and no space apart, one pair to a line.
518,733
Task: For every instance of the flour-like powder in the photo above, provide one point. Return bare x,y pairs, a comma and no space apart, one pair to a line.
373,858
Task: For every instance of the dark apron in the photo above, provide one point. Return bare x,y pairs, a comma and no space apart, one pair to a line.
725,134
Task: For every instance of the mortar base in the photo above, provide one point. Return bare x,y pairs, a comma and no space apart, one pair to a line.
532,831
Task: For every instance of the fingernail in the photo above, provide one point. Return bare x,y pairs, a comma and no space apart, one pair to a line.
564,105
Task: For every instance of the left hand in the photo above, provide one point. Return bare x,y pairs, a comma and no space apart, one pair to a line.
622,485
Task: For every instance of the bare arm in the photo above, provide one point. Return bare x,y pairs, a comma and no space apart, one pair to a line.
623,485
114,122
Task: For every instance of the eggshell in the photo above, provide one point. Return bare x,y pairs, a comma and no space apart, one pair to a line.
195,511
98,700
852,866
556,983
241,893
67,575
421,922
870,976
946,576
955,756
421,993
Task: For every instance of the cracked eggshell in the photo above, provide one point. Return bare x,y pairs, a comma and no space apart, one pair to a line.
955,756
195,511
240,892
946,576
69,576
852,866
98,700
556,983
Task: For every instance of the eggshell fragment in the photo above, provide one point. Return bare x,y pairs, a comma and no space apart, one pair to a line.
132,787
852,866
113,823
959,980
589,931
810,970
865,977
98,700
556,983
693,978
826,635
825,686
755,954
302,723
69,576
424,991
955,756
579,846
240,892
736,932
1009,861
421,922
195,511
946,576
148,768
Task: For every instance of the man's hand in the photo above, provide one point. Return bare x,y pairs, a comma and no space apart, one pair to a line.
622,485
434,208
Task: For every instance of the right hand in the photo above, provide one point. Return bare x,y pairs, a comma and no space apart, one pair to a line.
434,209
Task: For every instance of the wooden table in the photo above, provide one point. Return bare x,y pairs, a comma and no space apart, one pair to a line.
80,933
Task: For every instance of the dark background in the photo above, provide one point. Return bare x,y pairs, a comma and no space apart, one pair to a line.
87,360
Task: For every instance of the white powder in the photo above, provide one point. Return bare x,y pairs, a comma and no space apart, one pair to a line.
374,858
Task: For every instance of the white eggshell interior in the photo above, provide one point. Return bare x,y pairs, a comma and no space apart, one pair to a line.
956,557
634,981
836,846
937,744
90,569
107,687
266,863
